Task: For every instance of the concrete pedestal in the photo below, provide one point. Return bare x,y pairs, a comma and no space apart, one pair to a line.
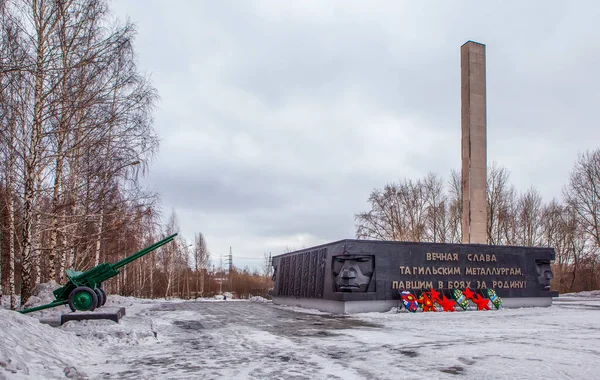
111,313
355,307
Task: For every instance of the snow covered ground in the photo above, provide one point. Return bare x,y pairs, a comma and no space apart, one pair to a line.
234,339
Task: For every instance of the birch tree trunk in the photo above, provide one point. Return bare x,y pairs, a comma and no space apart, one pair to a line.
44,21
15,300
152,264
105,178
11,243
169,271
67,258
1,277
58,175
10,198
57,189
37,235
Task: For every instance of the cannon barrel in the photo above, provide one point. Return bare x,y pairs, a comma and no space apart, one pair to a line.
143,252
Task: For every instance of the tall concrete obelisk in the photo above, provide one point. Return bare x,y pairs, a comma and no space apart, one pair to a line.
473,142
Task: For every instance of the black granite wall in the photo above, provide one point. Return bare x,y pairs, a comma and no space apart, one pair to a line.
374,270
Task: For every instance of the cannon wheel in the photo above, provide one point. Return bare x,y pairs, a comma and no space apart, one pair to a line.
83,298
101,296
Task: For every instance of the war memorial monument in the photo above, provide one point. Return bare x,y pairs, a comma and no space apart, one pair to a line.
351,276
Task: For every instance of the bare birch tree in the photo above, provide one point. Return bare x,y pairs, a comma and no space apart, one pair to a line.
201,261
554,231
71,93
169,253
412,210
43,19
582,193
499,196
382,221
437,221
20,137
528,218
455,207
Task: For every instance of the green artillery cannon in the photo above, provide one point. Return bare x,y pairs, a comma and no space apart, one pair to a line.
83,291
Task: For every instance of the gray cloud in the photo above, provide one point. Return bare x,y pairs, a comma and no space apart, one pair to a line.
278,118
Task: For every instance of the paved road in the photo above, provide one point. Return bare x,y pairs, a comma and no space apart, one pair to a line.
220,340
264,316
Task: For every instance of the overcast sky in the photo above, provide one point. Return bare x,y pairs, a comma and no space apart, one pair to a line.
278,118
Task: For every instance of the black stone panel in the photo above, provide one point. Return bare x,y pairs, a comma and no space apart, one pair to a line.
292,285
305,273
312,274
280,275
321,274
286,276
300,274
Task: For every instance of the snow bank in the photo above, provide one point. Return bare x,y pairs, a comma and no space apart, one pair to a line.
5,302
117,300
110,334
30,349
134,329
258,299
589,294
41,294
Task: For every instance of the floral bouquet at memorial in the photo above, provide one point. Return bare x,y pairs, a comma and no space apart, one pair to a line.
447,300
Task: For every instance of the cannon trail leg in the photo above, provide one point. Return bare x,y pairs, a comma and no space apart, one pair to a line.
83,298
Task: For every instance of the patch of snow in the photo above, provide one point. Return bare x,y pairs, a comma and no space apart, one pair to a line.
258,299
590,293
32,350
42,294
302,310
5,302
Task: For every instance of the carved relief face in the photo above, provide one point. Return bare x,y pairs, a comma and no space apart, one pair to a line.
544,272
352,273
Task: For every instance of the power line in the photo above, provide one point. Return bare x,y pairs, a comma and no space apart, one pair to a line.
249,258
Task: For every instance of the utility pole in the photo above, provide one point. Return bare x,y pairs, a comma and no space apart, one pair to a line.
221,276
268,270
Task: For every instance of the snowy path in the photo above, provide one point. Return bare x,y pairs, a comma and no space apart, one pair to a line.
229,340
248,340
